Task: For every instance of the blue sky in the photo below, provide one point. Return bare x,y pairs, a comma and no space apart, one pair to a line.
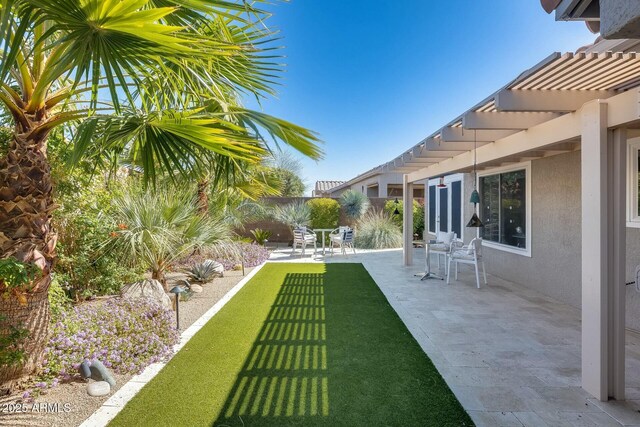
375,77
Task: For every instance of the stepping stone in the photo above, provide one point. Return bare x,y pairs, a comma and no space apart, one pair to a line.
218,267
98,388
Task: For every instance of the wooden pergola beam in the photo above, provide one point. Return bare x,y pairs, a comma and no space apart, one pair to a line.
547,100
505,121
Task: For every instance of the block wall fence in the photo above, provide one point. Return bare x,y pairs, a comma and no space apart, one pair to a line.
281,233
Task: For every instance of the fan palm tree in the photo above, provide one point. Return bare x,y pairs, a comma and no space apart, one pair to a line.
123,75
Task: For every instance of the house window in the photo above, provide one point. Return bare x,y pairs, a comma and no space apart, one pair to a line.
505,209
633,186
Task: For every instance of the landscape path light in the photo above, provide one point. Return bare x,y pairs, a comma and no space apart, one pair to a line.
177,291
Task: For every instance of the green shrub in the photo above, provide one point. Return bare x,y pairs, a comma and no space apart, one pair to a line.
418,215
354,204
376,230
84,220
15,275
325,213
59,302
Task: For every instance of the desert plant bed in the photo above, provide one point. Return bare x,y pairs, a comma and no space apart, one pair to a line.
67,403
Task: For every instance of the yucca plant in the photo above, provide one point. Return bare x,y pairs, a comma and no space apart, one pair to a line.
260,236
293,214
376,230
157,80
354,204
204,272
156,228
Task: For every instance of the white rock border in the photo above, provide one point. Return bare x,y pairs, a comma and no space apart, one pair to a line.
116,403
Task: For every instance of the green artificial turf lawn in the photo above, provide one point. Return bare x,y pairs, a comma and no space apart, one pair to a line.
300,344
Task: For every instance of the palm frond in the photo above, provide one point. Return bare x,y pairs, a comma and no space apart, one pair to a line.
164,143
297,137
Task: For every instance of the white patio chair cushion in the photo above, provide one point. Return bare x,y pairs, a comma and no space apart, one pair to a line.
439,247
463,255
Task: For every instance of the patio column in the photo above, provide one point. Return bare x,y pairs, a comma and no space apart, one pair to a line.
618,259
603,253
407,221
382,188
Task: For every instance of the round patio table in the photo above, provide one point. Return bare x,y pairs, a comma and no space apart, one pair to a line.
323,230
428,274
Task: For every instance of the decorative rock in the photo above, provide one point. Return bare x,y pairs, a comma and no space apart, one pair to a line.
218,267
84,370
99,372
152,289
99,388
237,267
196,288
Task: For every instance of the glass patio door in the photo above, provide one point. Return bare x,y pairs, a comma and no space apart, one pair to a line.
445,206
443,209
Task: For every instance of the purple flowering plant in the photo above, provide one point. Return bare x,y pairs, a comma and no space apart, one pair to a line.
231,255
125,335
252,254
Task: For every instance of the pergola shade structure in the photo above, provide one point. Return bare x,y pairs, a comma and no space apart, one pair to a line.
560,84
568,102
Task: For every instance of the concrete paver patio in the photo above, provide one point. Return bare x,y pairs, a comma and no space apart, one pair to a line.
510,354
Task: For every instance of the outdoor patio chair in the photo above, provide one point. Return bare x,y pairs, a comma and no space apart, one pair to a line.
304,236
471,254
343,238
336,234
442,246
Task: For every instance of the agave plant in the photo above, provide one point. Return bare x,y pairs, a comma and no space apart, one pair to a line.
376,230
354,203
260,236
157,228
205,271
293,214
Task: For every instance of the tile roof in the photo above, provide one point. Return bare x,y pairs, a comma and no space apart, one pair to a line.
327,185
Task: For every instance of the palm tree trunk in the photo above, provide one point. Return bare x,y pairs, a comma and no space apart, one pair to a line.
203,196
26,233
158,274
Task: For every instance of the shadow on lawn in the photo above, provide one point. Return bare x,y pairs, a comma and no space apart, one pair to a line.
285,373
332,351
